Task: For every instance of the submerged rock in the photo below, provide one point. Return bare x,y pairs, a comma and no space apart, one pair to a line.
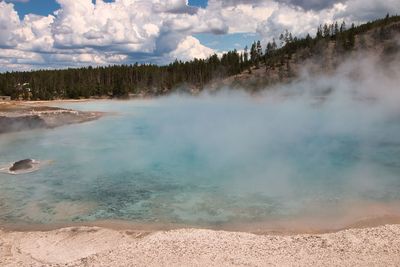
22,165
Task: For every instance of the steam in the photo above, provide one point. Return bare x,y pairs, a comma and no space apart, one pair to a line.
321,141
318,141
335,135
15,124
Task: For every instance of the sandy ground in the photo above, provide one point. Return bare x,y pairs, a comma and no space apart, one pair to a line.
94,246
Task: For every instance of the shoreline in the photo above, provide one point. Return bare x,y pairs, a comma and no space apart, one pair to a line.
23,116
349,215
52,103
96,246
355,214
285,228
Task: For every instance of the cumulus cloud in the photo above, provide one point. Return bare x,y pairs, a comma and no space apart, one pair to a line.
313,4
83,32
175,6
125,31
190,48
296,20
359,10
9,25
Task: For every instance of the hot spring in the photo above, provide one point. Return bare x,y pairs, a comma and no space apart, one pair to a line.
323,158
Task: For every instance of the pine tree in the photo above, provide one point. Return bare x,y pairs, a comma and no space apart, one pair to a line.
246,54
343,27
326,31
282,39
268,50
259,50
253,53
274,45
319,32
336,29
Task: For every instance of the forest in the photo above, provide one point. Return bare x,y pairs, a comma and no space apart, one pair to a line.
120,81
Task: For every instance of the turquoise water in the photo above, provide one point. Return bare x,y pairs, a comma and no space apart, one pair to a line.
208,161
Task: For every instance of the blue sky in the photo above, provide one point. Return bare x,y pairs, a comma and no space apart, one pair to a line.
39,7
199,3
87,32
45,7
226,42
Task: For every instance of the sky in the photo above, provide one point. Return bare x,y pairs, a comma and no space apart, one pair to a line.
47,34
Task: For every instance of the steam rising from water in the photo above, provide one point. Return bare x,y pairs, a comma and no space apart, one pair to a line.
309,147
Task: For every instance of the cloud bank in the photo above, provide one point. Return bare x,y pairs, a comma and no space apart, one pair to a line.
157,31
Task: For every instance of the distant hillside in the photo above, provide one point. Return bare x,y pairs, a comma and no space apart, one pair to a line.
254,69
321,54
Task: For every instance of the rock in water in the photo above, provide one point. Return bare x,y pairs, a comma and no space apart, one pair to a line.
25,164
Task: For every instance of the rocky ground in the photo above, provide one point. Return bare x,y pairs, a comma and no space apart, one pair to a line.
93,246
16,116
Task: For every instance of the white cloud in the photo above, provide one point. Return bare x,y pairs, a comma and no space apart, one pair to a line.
190,48
241,17
82,24
361,10
296,20
125,31
9,24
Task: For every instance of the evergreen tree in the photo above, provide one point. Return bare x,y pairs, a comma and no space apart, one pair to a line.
119,81
274,45
246,54
259,50
343,27
319,32
336,31
326,31
253,53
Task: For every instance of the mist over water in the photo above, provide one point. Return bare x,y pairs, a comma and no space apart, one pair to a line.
311,147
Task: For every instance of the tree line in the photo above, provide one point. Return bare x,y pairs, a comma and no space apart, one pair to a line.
150,79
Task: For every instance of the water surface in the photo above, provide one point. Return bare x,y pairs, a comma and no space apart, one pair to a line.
210,161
